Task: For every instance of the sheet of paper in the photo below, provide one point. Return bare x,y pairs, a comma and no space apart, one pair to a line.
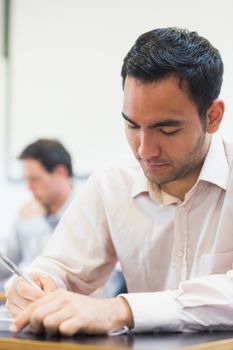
5,319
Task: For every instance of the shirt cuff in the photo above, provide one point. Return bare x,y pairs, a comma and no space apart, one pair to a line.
155,312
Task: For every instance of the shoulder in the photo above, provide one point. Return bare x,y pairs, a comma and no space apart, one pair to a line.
228,145
30,209
110,184
120,173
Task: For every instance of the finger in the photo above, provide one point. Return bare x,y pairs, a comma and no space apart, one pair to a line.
41,313
16,327
22,319
20,295
16,299
47,284
70,326
35,313
13,310
53,320
13,314
11,292
27,291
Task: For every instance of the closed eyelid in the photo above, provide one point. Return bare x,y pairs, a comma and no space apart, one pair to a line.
169,127
166,124
169,132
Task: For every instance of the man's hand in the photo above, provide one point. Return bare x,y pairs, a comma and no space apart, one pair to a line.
68,313
20,293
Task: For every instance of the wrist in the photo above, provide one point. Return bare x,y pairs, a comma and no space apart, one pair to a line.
122,313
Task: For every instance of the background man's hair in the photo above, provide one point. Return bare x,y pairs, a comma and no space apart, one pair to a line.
49,153
163,52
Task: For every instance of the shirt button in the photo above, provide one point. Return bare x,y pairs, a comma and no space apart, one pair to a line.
180,253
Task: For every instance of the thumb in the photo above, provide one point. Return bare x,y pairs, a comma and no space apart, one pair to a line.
46,283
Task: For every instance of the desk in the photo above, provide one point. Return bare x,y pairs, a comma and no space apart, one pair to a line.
172,341
2,297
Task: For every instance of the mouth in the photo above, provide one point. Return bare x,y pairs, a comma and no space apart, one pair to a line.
154,165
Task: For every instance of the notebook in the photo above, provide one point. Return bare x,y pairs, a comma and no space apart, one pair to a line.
5,319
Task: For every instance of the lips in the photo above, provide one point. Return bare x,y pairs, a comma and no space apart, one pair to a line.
154,166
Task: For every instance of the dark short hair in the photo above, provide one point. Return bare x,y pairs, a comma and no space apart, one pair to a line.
163,52
49,153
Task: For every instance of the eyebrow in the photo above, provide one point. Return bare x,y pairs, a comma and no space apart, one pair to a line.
162,123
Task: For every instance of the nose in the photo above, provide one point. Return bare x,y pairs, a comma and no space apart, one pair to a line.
30,185
148,146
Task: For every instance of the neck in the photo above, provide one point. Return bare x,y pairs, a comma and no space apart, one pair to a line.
179,188
53,207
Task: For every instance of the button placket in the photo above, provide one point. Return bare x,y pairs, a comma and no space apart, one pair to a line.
180,243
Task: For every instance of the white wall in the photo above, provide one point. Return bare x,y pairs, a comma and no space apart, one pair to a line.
2,109
66,61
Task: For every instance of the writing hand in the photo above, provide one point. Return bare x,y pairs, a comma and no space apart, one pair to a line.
20,293
68,313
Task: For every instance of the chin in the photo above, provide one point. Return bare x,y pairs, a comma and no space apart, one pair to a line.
159,180
40,201
154,179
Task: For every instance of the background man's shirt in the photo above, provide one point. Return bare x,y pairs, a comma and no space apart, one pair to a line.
31,232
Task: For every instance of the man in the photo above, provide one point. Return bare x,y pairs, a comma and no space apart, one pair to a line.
47,169
167,218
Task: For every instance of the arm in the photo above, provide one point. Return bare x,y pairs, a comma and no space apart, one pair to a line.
204,303
200,304
80,255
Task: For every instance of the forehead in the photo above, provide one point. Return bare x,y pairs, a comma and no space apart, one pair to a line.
168,96
33,166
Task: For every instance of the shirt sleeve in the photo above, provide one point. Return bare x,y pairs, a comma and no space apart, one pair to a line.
80,254
204,303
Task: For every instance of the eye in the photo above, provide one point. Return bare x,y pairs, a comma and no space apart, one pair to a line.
169,131
132,126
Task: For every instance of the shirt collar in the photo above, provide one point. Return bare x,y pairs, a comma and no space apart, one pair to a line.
215,168
143,185
140,183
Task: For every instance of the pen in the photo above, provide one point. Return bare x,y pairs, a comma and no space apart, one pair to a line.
15,269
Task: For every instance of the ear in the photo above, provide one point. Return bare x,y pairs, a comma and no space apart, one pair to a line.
61,170
214,116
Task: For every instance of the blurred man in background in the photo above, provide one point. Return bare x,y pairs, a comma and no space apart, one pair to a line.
47,169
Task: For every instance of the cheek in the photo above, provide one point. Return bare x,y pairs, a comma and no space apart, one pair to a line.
134,144
45,187
130,136
171,149
179,148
